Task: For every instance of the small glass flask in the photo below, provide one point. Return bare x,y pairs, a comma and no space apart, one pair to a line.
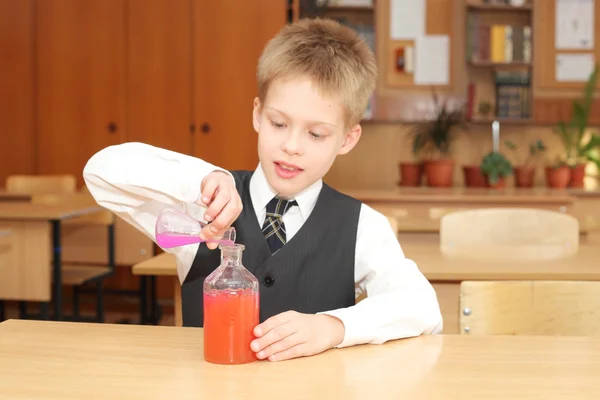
174,228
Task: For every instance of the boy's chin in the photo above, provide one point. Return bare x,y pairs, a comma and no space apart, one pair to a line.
287,188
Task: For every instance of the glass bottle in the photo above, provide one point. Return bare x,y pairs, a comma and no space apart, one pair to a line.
231,309
174,228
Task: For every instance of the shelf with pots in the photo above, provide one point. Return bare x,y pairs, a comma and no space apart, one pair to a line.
432,142
581,146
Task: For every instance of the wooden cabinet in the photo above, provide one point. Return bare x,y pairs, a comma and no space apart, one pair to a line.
225,60
159,73
17,155
79,81
88,74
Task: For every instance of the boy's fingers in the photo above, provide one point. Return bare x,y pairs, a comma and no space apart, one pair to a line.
292,352
227,216
220,201
208,192
280,345
275,335
276,320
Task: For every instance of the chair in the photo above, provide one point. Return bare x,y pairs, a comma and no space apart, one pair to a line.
530,308
47,189
509,234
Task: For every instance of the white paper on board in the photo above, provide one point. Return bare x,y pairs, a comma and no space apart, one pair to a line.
407,19
432,60
574,25
574,67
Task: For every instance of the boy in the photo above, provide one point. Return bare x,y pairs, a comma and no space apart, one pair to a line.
312,248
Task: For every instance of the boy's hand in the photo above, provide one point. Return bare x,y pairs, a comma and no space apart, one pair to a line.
223,203
292,334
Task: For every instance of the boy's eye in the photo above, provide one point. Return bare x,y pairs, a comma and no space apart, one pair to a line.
315,135
277,124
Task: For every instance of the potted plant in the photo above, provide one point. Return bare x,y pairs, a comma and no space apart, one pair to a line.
579,148
525,170
472,173
434,138
496,168
411,172
558,174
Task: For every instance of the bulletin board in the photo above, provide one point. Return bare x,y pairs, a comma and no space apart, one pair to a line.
438,20
545,53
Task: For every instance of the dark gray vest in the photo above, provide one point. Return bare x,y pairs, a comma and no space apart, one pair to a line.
313,272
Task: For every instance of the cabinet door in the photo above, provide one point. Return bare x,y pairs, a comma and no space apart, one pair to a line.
228,39
79,70
17,98
159,73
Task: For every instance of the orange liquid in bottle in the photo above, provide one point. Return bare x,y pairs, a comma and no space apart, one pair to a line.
230,316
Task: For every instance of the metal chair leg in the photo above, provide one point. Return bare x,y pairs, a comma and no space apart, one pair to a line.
100,302
76,303
45,311
23,310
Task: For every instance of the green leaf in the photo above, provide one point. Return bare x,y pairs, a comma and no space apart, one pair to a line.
510,144
591,145
595,160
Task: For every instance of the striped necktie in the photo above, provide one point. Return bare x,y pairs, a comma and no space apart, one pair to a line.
273,227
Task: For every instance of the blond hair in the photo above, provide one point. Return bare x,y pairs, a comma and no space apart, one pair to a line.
333,56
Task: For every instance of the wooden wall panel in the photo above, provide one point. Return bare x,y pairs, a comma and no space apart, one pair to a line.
159,73
225,76
17,155
79,70
554,110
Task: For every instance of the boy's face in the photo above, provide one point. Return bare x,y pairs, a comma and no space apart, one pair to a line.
300,132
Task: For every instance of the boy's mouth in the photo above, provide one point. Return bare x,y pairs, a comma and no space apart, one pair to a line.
286,170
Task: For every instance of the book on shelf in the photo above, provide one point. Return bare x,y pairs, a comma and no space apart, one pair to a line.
497,43
513,94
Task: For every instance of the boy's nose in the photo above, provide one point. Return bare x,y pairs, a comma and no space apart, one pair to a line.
291,145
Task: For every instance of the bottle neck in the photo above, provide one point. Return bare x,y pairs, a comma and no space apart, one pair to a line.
232,254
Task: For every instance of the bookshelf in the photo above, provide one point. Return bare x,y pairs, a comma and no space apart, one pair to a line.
499,61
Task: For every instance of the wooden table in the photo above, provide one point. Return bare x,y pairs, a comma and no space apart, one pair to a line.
418,209
63,360
37,236
445,273
163,264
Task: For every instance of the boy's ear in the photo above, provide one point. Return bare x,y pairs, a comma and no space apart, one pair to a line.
351,139
256,115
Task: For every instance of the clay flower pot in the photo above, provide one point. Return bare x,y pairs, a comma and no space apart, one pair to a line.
500,183
473,176
577,175
410,173
439,172
524,176
558,177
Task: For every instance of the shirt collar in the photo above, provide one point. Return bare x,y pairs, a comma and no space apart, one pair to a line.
261,193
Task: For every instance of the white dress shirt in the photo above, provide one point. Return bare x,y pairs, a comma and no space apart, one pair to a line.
136,181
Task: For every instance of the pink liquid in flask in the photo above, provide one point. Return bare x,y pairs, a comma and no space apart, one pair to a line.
174,229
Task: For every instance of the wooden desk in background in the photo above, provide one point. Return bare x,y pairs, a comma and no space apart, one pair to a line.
418,209
163,264
36,249
445,273
59,360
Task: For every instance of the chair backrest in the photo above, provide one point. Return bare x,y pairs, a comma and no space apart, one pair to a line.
509,234
47,189
41,184
567,308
